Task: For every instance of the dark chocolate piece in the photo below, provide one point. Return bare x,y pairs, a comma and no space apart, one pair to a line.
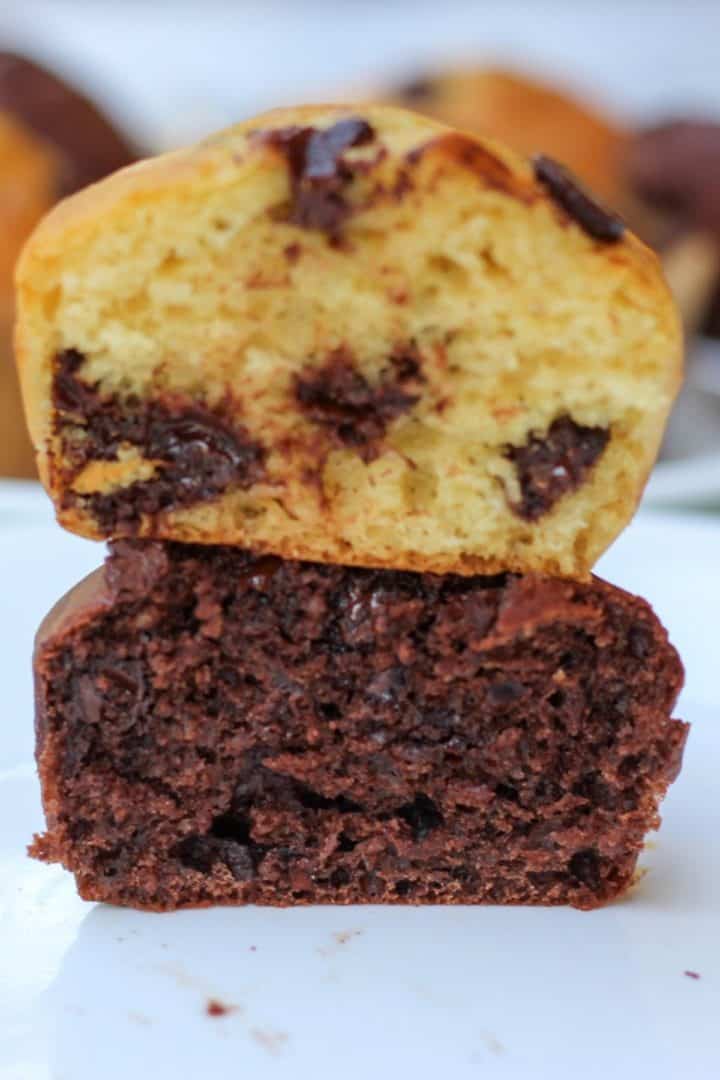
90,147
550,465
199,451
575,200
318,172
212,728
356,413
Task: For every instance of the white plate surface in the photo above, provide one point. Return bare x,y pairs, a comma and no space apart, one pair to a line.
89,992
688,473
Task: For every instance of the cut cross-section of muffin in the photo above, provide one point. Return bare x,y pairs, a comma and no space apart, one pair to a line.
351,337
217,727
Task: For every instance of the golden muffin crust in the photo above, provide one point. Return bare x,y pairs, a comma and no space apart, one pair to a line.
352,336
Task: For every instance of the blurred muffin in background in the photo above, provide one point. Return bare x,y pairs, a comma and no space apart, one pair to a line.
527,115
675,167
533,117
53,141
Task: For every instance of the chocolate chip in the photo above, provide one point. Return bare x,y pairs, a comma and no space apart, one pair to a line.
203,452
568,193
197,853
231,826
549,466
318,172
260,573
69,394
584,866
422,815
199,453
356,412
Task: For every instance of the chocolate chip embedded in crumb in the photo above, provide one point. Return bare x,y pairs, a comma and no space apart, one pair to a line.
422,815
318,171
568,192
549,466
199,451
69,394
584,866
356,412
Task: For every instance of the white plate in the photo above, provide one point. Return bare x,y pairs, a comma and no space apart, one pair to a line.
688,473
90,992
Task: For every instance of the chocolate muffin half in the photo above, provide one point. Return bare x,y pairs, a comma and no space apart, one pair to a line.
217,727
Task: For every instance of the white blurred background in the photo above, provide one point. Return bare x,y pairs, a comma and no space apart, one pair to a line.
173,68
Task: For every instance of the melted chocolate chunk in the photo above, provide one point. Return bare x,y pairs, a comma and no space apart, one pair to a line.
318,172
568,193
356,413
89,146
198,450
550,465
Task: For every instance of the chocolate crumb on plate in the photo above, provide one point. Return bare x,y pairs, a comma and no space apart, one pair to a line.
214,1007
575,200
691,974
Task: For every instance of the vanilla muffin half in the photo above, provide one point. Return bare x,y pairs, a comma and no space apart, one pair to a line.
353,337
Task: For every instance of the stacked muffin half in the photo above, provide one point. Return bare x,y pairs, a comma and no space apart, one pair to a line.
359,400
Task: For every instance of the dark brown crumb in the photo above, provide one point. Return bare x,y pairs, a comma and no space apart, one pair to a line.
319,173
551,465
217,727
691,974
582,207
199,452
355,412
